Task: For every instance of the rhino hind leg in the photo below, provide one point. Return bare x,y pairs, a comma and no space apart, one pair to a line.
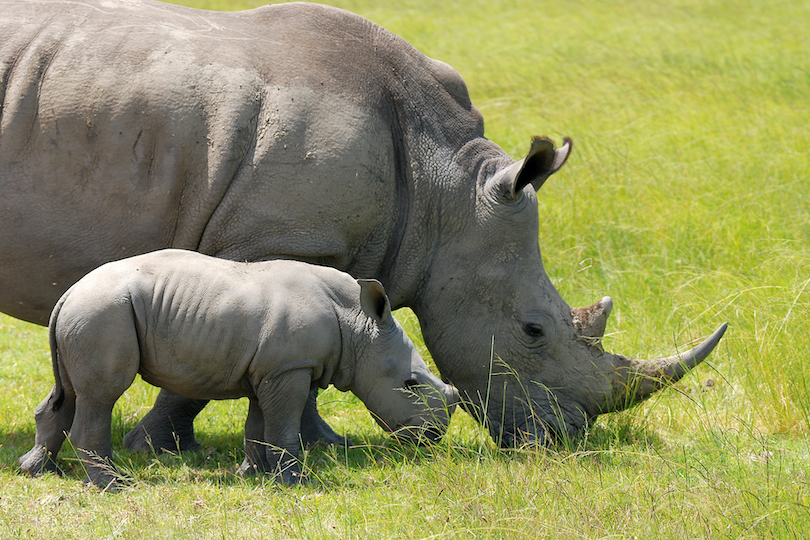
91,437
54,418
314,430
168,427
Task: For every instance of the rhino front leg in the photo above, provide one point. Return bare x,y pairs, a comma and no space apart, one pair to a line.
282,400
54,418
169,426
314,430
255,448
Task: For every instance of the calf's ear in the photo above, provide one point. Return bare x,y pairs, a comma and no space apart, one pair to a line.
374,302
542,161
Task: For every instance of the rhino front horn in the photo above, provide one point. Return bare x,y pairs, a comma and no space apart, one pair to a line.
644,377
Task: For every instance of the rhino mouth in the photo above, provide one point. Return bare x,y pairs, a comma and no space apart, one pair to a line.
533,431
535,422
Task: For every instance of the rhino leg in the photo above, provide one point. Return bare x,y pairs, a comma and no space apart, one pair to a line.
169,426
314,430
282,400
255,450
91,437
54,418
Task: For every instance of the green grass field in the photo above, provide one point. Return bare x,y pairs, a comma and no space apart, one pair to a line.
686,200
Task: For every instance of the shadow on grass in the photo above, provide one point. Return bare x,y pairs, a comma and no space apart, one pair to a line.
330,467
217,463
327,467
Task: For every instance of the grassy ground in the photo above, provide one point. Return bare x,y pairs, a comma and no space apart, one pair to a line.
686,200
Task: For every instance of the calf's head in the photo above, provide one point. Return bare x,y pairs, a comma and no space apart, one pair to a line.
525,363
392,379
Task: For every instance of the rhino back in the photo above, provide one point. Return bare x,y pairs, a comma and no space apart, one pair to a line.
132,125
113,142
355,134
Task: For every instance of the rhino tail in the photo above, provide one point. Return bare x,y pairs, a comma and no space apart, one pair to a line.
58,394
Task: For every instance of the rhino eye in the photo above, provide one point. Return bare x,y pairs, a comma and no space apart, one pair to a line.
534,330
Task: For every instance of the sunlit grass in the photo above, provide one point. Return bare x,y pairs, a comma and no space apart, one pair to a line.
686,200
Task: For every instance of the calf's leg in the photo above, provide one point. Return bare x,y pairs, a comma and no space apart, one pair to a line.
282,400
255,448
91,438
102,359
169,426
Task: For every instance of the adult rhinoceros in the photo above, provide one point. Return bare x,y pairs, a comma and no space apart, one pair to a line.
298,131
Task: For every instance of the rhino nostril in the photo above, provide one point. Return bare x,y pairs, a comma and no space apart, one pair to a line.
411,383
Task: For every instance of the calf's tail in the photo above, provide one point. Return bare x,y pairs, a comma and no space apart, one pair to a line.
58,393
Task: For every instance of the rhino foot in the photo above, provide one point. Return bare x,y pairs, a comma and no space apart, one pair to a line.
168,427
38,461
106,477
319,433
314,430
291,475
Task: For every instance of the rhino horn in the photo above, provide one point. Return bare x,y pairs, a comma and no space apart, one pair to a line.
590,322
642,378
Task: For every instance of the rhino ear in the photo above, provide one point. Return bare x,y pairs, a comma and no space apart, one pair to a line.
374,302
541,162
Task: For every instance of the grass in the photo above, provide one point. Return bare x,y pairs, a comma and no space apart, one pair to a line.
686,199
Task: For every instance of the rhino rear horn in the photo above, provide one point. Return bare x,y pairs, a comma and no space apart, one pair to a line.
374,301
590,322
542,161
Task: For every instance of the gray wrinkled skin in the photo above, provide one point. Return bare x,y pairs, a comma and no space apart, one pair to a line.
208,328
294,131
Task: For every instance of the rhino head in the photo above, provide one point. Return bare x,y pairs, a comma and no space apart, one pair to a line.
526,364
392,379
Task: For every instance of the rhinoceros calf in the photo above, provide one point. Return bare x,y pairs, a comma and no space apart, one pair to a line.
208,328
